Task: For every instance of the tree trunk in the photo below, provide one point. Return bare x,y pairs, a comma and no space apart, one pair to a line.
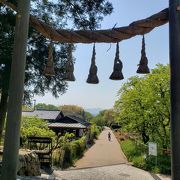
3,110
145,137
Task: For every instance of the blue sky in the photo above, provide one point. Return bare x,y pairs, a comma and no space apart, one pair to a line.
104,94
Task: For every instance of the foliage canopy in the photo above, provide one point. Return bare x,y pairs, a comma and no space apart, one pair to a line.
80,14
143,106
33,126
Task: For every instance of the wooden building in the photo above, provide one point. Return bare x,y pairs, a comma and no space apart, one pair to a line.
61,123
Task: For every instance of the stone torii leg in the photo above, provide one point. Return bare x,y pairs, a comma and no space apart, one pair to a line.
174,35
12,134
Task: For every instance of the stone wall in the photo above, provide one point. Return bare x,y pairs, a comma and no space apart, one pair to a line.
29,164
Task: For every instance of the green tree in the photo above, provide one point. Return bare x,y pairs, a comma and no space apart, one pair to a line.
75,110
80,14
88,116
46,106
143,106
33,126
7,23
104,118
72,108
27,108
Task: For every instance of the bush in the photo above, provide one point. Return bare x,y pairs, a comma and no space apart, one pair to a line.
62,156
163,164
33,126
94,133
66,158
78,148
69,152
135,153
139,161
130,149
56,156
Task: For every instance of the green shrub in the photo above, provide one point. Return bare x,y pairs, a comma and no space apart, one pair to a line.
33,126
139,161
163,164
66,158
156,170
75,152
68,137
82,142
69,152
94,132
79,147
130,149
135,153
56,157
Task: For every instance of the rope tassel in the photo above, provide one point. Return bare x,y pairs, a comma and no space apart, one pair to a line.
143,65
49,68
117,70
92,77
69,76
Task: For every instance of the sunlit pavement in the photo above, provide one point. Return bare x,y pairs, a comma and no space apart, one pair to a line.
103,152
116,172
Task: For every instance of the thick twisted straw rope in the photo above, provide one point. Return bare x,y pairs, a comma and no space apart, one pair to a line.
107,36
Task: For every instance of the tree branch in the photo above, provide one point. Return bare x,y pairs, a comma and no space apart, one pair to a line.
99,36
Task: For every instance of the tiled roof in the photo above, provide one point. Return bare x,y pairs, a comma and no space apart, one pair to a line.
42,114
76,116
67,125
80,120
60,121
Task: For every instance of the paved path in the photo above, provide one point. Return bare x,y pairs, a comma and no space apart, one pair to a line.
104,161
103,152
115,172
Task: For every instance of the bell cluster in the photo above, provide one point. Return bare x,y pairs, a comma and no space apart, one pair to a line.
92,76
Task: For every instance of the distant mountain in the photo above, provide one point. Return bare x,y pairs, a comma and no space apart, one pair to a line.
94,111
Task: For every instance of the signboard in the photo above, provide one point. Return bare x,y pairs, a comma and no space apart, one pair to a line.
152,148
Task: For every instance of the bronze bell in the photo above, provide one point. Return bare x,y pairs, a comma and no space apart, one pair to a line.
92,77
69,75
117,70
143,65
49,68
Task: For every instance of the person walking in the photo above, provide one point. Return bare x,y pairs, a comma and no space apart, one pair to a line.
109,136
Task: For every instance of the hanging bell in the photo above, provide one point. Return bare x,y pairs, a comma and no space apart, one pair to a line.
117,70
49,68
143,65
69,75
92,77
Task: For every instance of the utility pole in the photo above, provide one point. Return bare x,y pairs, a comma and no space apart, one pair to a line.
174,35
12,133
